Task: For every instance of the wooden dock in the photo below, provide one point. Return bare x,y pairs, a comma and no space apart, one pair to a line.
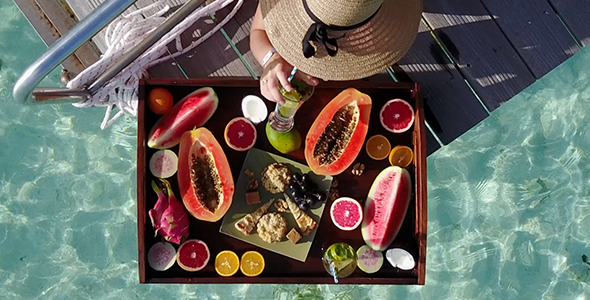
470,56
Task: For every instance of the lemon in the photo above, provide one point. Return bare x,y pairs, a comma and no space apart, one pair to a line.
227,263
284,142
252,263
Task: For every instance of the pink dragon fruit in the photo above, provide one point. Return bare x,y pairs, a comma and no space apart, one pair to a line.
168,216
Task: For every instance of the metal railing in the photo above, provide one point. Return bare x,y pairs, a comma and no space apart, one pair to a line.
26,86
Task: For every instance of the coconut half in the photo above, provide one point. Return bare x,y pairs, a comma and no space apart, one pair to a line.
254,109
400,258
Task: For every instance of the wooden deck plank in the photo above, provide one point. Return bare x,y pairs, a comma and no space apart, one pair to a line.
64,21
480,49
169,68
536,32
82,8
455,109
166,69
576,14
239,33
214,57
44,26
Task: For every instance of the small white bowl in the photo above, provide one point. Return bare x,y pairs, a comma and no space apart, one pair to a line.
254,109
400,258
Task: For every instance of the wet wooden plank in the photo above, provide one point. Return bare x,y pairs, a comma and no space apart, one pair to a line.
43,20
536,32
82,8
452,108
483,54
215,56
169,68
64,21
576,14
166,69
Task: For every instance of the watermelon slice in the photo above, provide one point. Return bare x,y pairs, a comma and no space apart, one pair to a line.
193,111
397,116
386,207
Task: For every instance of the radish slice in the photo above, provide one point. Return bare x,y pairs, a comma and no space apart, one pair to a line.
161,256
369,260
164,163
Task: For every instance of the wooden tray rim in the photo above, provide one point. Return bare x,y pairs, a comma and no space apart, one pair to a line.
419,137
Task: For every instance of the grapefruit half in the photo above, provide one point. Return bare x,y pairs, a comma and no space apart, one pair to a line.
240,134
193,255
346,213
397,116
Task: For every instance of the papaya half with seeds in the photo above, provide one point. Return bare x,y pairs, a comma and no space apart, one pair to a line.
204,176
337,135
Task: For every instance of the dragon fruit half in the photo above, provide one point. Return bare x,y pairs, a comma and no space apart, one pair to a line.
168,216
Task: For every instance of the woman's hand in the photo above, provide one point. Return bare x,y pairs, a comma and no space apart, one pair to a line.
276,72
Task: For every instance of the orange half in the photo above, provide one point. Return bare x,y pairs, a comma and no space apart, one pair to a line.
252,263
378,147
401,156
227,263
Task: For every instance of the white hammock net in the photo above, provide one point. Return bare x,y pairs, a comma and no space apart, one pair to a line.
121,92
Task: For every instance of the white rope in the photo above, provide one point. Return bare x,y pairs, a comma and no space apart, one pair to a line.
125,33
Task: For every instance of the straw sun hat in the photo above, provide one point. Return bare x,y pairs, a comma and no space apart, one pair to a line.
341,39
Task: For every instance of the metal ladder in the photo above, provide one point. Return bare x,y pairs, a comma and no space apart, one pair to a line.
25,89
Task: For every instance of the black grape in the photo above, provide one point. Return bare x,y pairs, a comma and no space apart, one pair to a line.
303,205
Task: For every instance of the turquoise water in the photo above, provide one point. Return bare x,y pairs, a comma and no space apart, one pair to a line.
508,203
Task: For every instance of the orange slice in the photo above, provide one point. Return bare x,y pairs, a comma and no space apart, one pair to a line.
252,263
401,156
378,147
227,263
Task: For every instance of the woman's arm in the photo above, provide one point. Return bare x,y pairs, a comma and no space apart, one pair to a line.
276,69
259,42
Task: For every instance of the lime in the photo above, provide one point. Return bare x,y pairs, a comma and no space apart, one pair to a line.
293,95
341,252
284,142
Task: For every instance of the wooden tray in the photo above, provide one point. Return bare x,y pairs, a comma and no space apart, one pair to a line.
281,269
